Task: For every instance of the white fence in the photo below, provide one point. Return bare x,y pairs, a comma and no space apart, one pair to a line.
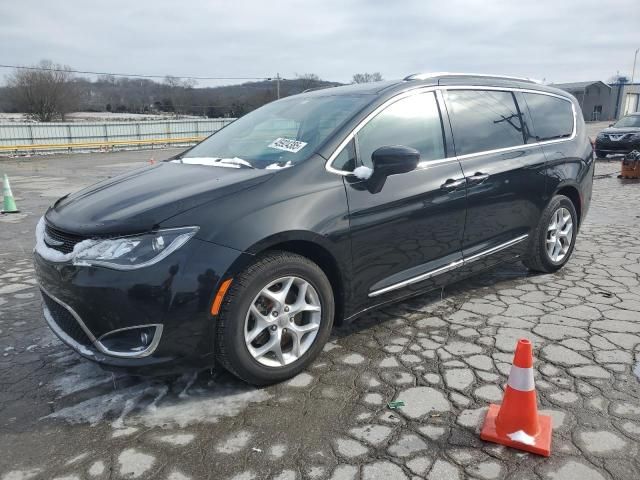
31,137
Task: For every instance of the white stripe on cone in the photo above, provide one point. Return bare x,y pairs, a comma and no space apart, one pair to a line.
521,379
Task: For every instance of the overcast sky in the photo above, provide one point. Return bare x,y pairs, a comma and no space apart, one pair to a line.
559,40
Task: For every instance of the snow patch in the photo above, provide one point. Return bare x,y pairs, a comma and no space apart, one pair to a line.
208,409
180,439
80,377
363,172
235,443
522,437
52,255
124,432
277,166
134,464
77,458
175,475
94,410
21,474
152,405
97,468
234,162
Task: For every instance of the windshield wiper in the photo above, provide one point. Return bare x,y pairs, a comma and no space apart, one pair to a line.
234,162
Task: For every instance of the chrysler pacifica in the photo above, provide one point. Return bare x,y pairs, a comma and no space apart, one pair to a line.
245,249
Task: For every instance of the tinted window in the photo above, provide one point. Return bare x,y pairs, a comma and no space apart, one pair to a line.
552,117
346,159
412,122
630,121
483,120
279,134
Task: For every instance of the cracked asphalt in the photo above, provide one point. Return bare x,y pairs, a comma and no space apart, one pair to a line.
446,355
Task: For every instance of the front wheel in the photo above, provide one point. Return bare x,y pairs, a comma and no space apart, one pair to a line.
553,239
275,318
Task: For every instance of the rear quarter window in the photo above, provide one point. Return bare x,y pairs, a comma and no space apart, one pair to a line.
552,116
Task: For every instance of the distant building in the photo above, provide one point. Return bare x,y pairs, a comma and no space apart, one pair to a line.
594,98
626,99
600,101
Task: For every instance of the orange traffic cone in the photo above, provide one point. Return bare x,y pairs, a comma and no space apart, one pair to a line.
516,422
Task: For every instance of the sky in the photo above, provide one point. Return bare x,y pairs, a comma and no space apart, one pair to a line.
554,41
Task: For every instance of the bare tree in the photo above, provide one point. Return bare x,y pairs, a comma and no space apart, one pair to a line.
307,80
180,92
366,77
46,93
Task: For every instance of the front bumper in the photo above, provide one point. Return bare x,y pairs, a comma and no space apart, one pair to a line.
621,147
173,297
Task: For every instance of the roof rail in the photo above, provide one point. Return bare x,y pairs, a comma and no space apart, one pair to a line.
426,76
313,89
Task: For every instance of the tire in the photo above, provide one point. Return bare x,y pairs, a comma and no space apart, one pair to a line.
601,154
538,257
233,322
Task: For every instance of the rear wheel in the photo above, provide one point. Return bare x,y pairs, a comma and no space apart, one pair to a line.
275,318
553,240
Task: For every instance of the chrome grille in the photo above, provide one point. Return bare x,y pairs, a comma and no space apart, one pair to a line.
61,241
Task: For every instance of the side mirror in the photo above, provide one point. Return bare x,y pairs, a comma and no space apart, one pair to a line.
395,159
390,160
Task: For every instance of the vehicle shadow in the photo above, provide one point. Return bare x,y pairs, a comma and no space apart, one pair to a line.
430,303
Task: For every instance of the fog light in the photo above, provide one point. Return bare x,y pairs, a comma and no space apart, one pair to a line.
137,341
145,338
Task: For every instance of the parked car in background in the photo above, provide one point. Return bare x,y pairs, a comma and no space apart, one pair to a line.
620,138
245,249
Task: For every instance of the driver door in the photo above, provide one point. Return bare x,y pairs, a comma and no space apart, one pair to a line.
408,235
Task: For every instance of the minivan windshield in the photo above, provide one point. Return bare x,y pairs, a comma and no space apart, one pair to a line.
629,121
277,135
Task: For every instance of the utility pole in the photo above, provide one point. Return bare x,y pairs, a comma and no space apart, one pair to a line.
278,83
633,72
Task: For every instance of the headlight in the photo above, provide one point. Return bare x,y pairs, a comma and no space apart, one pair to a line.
635,136
129,253
600,135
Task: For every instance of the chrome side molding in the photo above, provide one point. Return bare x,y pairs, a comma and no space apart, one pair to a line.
449,267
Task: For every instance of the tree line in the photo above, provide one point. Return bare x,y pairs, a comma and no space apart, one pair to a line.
49,91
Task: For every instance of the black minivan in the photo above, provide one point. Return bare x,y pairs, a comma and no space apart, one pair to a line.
245,249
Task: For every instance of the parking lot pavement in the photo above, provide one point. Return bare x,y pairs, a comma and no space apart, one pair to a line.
593,128
446,355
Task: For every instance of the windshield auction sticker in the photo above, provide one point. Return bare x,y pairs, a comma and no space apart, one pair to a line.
288,145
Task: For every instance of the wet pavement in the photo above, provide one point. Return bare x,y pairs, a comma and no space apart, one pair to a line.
446,355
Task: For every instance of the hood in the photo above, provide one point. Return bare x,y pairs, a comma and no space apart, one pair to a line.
138,201
620,130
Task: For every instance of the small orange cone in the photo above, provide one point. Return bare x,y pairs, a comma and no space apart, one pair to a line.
516,422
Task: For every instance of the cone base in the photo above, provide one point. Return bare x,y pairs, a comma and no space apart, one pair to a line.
9,211
542,444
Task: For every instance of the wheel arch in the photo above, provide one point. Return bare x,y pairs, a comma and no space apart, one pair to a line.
313,247
573,194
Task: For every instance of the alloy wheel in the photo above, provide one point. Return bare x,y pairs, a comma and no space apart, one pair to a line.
283,321
559,235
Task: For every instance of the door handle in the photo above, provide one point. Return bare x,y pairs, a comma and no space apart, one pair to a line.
478,178
450,184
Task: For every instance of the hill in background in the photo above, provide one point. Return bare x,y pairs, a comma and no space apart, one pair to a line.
138,95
